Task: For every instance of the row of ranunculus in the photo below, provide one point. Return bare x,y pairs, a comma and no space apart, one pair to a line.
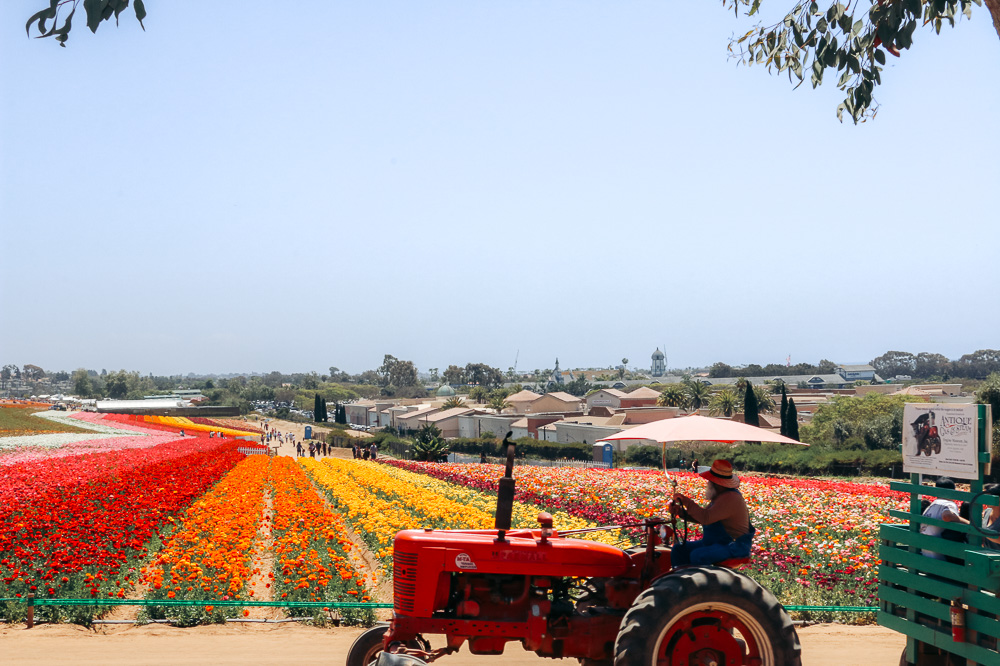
233,424
314,558
817,541
80,526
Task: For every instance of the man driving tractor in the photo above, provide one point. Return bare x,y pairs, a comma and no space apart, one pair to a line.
725,521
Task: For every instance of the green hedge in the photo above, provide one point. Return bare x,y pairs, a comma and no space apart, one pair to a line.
776,458
344,439
526,447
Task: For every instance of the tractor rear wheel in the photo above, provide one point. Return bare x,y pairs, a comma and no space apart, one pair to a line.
702,616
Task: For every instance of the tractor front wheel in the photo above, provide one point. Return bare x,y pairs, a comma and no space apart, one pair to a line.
707,615
367,647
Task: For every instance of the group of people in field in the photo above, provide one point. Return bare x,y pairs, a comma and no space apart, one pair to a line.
312,448
276,435
369,452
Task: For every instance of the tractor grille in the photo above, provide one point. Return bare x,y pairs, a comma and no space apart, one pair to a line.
404,581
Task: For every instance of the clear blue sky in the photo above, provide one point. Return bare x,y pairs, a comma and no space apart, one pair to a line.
250,186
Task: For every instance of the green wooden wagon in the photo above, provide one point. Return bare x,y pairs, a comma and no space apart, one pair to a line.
918,594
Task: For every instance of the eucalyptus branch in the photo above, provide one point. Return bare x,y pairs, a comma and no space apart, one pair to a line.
835,39
97,11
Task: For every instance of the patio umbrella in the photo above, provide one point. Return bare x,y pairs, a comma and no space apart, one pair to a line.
700,429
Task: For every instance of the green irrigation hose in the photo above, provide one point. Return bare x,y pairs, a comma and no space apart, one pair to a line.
325,604
190,602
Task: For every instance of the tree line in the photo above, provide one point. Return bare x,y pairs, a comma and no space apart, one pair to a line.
979,364
923,365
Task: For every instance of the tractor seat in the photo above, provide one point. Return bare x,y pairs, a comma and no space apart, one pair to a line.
734,563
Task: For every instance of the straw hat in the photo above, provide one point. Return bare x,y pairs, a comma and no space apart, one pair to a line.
722,474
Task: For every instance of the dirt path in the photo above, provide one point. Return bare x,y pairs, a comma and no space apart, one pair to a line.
299,429
262,563
296,645
129,613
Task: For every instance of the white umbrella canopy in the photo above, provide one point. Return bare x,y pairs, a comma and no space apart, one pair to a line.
696,428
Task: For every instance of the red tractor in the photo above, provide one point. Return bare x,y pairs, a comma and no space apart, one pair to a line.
566,597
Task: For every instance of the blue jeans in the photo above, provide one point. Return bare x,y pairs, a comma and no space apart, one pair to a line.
715,546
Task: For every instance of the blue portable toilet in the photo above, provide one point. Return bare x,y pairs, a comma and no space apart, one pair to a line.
609,455
309,432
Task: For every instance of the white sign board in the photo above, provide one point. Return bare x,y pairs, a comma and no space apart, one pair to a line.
941,440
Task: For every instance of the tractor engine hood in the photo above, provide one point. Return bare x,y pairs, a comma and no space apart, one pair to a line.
522,552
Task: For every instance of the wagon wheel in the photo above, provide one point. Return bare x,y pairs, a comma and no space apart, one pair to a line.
707,615
368,646
937,445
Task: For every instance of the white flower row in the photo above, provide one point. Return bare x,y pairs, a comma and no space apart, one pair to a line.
58,439
85,425
53,439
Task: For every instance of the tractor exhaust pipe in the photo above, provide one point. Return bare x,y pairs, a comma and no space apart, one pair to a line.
505,491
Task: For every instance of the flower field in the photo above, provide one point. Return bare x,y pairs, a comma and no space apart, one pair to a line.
79,526
180,422
147,513
816,543
132,509
91,433
232,424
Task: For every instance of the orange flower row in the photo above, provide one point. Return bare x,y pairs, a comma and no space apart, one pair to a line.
209,554
311,547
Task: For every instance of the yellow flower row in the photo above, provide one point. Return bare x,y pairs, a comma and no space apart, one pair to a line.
375,518
187,424
437,509
524,515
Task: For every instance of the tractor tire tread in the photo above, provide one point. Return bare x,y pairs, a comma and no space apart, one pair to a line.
675,592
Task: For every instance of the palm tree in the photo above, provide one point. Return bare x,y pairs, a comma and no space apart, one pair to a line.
427,432
479,394
765,399
499,403
453,402
673,396
698,394
431,451
725,402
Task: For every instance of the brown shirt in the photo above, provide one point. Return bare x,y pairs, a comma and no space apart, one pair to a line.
729,508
